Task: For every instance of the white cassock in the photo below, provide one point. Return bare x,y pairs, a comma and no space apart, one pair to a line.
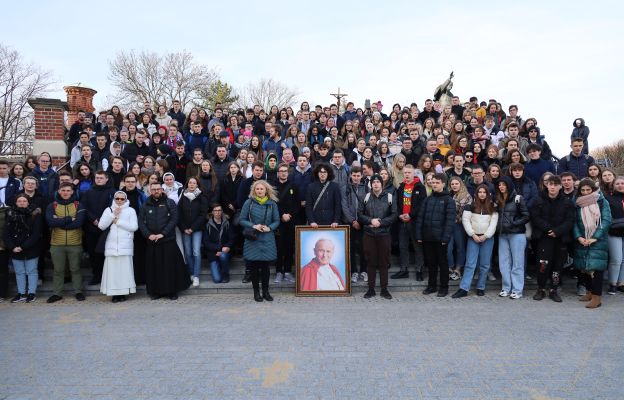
326,279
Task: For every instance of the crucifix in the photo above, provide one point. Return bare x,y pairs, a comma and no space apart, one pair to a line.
338,96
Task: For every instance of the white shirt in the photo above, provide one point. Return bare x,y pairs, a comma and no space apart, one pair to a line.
326,279
3,183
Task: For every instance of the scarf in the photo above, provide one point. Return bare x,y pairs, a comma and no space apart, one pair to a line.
590,213
192,195
261,200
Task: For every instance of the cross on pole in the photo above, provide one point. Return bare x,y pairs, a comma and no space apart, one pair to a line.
338,96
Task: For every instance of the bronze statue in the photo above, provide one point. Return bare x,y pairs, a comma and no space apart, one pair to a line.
443,92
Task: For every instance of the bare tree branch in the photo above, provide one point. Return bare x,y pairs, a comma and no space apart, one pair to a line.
266,93
157,79
19,81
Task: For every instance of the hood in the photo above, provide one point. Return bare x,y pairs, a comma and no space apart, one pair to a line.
582,122
442,193
303,171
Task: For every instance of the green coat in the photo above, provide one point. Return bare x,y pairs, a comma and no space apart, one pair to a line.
264,247
596,256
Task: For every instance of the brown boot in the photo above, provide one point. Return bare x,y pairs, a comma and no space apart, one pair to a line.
595,302
586,297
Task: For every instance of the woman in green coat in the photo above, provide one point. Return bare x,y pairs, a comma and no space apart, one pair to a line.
260,216
591,257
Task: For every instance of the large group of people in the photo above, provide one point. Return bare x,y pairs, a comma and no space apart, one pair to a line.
461,191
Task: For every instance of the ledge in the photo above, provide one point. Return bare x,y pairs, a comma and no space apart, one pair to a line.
50,103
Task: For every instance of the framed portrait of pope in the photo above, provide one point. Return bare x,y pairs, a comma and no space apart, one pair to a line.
322,261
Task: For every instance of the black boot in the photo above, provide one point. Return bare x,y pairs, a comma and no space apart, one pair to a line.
255,282
247,277
265,284
400,274
419,276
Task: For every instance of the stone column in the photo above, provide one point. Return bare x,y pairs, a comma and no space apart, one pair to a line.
50,128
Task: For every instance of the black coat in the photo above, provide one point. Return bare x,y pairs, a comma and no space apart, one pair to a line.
228,192
288,198
419,194
436,218
215,239
381,207
192,214
221,167
177,165
513,217
328,209
95,201
159,217
131,151
556,214
23,229
211,195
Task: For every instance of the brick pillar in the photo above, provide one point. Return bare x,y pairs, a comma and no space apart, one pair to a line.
50,128
78,98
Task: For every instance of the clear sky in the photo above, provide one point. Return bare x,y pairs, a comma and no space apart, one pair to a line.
557,60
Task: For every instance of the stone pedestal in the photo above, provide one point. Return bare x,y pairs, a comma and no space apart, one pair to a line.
50,128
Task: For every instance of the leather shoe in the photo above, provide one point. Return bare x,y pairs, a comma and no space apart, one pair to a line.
54,298
442,292
480,292
459,294
80,297
267,296
370,293
385,294
257,296
402,274
429,290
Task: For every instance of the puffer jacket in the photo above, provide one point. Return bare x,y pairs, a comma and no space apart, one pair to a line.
513,216
158,216
479,224
120,239
436,218
23,229
253,213
596,256
527,188
192,213
553,214
381,207
616,203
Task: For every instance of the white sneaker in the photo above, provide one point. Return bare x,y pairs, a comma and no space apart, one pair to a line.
515,295
503,293
279,277
491,277
288,277
364,276
354,277
195,281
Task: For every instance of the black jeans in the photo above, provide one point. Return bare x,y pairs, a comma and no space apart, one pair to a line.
551,254
436,260
285,239
407,235
377,250
357,249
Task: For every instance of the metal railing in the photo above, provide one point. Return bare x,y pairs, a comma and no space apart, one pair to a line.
16,150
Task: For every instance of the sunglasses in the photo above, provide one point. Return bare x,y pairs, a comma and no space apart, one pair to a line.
119,199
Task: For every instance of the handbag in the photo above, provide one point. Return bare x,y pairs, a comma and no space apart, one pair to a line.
251,233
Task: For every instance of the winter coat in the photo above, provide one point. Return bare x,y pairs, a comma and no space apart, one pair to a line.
288,198
132,150
221,167
419,194
229,190
65,218
381,207
254,213
596,256
205,183
616,203
341,174
514,215
23,229
552,214
12,188
178,116
174,192
95,201
328,209
534,169
120,239
192,213
215,239
302,180
351,197
582,132
479,224
577,165
48,182
158,216
436,218
527,188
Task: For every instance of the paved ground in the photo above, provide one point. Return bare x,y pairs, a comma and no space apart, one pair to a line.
227,346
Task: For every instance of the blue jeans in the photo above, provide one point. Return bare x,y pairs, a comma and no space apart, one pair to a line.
25,268
220,267
616,260
457,247
481,252
192,252
511,261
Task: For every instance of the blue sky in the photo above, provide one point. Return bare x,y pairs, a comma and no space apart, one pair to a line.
557,60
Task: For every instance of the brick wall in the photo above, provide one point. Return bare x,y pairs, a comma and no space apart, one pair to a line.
78,98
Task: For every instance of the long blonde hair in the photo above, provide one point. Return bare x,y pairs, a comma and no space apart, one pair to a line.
270,191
